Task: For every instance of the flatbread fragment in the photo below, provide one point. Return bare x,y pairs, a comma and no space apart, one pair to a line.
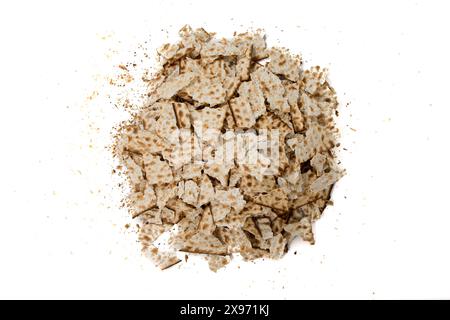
142,200
148,233
134,173
257,41
206,193
203,243
218,171
264,227
191,191
219,210
218,262
276,199
183,115
162,259
243,64
283,63
172,86
206,91
228,154
164,192
277,246
157,171
303,229
142,142
251,91
272,89
231,197
207,222
242,112
326,180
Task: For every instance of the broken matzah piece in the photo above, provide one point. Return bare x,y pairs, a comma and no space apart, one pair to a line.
191,191
217,262
206,193
134,173
164,192
257,41
283,63
219,210
264,228
231,197
230,154
203,243
242,112
326,180
142,201
251,91
303,229
171,86
272,89
206,221
218,170
275,199
157,171
161,259
277,246
183,115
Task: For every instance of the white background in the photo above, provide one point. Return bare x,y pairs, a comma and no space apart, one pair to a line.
62,232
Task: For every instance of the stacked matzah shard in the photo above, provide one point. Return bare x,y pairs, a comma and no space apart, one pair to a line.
184,179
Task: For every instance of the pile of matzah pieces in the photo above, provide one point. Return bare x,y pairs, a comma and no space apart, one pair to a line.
223,207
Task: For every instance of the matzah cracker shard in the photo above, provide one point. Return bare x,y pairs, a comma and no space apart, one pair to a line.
283,63
244,63
164,192
277,246
206,191
140,141
191,191
207,222
183,115
134,173
203,243
207,91
160,118
229,155
148,233
275,199
168,216
191,170
252,186
303,229
142,201
250,254
171,86
152,216
326,180
272,89
219,210
313,79
157,171
218,171
161,259
217,262
231,197
252,92
265,228
209,118
257,41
